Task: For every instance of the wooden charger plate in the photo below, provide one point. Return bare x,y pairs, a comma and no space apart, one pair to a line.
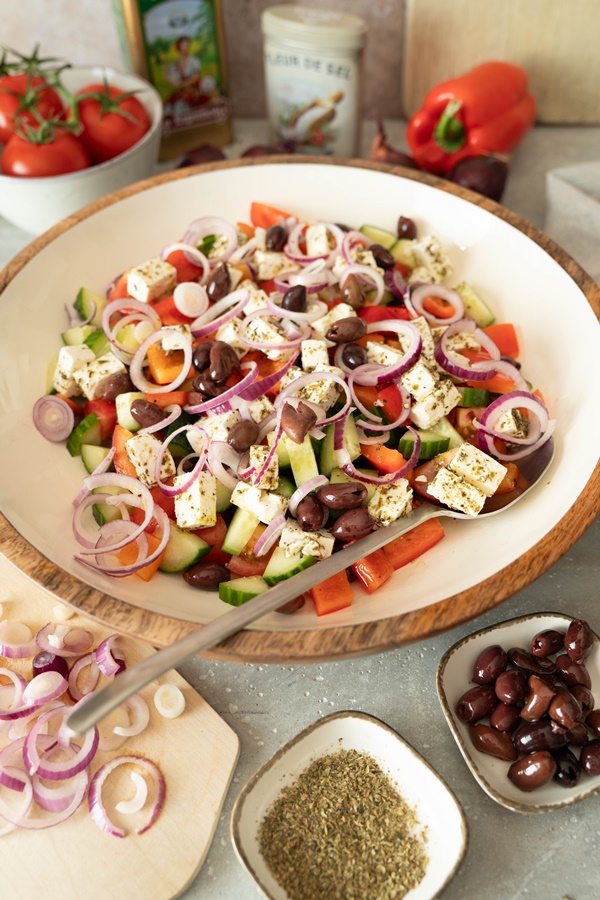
458,580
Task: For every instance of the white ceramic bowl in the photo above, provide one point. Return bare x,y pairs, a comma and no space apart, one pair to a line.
436,807
453,679
35,204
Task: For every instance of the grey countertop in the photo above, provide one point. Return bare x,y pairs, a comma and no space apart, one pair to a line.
538,857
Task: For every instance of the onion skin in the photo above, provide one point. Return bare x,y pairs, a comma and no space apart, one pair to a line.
382,152
484,174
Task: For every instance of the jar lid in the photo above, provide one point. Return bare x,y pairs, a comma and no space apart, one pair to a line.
314,27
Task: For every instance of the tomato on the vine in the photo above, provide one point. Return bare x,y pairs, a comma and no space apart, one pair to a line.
21,94
60,154
112,121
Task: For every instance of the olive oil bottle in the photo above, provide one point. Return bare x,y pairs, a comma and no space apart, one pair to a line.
178,46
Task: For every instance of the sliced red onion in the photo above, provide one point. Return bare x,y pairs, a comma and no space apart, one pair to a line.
53,418
19,728
237,390
60,770
201,228
262,386
345,463
395,283
414,302
10,776
144,559
139,718
366,274
220,455
541,429
173,412
376,375
311,485
461,368
45,687
110,662
291,389
244,251
16,640
88,661
75,641
59,797
502,366
192,254
216,316
138,801
376,424
110,741
170,490
269,535
191,299
18,686
314,277
292,248
126,306
350,241
96,804
17,817
136,369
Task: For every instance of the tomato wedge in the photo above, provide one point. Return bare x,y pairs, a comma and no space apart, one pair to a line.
263,216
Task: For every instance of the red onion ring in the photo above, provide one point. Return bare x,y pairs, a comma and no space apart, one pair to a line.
201,228
58,771
315,309
109,661
311,485
269,535
16,818
374,374
140,716
220,454
16,779
170,490
446,358
502,366
350,241
309,378
395,283
16,640
192,254
414,302
44,687
191,299
126,305
212,320
138,493
121,571
53,418
237,389
514,400
59,797
243,251
173,412
136,369
81,645
86,661
19,684
292,247
96,804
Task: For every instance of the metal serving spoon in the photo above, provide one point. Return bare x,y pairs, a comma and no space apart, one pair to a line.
132,680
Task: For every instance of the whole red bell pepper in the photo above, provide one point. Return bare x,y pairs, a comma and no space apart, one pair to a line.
486,110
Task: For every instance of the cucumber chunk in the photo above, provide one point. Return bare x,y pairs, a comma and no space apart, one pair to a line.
285,487
86,302
240,590
281,566
474,396
241,529
92,455
123,403
183,550
302,460
283,457
72,337
434,440
223,493
474,305
402,251
87,432
50,389
97,342
379,236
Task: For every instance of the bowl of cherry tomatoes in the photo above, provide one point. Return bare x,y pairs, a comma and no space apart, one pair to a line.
70,135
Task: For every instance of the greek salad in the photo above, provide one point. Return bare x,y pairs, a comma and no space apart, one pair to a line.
261,394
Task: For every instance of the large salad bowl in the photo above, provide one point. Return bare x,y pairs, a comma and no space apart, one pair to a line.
523,275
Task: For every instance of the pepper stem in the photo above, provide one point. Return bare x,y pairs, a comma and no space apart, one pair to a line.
450,132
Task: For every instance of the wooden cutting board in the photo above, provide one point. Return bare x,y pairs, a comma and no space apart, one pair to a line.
197,753
556,43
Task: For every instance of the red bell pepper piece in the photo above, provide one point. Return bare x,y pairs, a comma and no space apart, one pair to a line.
333,594
373,570
486,110
263,216
505,338
385,459
391,402
378,313
414,543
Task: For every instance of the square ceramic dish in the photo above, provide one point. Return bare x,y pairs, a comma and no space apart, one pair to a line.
453,679
436,807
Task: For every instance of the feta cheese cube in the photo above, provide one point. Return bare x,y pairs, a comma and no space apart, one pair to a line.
429,254
236,275
339,264
258,297
426,412
456,343
364,257
91,376
317,240
314,355
70,359
428,344
269,480
271,264
218,247
246,496
218,426
175,337
264,504
382,354
292,374
323,391
260,408
265,332
452,490
197,507
142,450
151,280
390,501
420,274
230,332
306,543
513,423
420,380
478,468
321,326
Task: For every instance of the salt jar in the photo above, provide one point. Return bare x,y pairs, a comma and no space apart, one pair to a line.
313,78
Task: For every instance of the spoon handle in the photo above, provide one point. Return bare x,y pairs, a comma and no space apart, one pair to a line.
132,680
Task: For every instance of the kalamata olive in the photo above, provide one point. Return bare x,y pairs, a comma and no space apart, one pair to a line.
571,672
494,743
476,703
565,709
146,413
489,664
509,359
310,513
294,299
579,640
539,736
111,387
593,721
353,355
353,524
352,292
188,464
568,769
383,257
297,421
223,362
242,435
525,660
48,662
219,283
406,228
291,606
533,771
275,238
201,356
589,757
207,576
202,154
510,686
537,699
584,697
346,495
484,174
505,717
547,642
578,735
345,330
205,385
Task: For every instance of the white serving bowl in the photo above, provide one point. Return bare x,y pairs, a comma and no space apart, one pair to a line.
35,204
